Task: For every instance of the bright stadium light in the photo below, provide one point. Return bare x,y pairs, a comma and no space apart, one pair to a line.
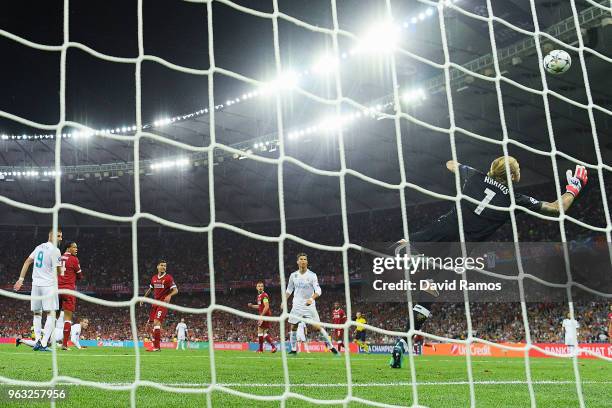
287,80
326,64
380,38
168,164
415,95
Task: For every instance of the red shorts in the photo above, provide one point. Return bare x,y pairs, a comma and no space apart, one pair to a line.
338,334
264,325
158,313
67,303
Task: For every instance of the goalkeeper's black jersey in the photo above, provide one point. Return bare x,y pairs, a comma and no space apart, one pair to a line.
479,222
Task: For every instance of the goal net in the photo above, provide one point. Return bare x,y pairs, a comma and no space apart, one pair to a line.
570,34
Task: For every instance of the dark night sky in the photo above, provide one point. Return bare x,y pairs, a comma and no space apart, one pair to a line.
101,93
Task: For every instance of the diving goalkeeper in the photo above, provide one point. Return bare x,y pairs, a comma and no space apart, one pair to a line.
480,221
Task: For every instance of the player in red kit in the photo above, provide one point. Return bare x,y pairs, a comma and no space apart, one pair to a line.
163,288
338,317
71,272
263,307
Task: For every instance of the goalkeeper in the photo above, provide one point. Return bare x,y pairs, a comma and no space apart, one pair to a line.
479,221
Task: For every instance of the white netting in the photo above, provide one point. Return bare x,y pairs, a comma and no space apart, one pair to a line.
283,158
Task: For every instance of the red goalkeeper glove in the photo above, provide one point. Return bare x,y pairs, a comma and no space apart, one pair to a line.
577,181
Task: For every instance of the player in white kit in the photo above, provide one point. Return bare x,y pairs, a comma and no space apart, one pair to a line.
47,265
570,327
75,332
300,337
181,334
304,286
58,335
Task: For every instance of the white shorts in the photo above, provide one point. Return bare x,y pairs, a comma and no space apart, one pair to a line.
181,338
303,312
48,304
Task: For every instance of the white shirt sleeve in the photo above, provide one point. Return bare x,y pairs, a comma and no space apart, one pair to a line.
290,285
315,285
56,258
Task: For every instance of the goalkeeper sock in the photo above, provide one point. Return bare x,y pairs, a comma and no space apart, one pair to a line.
326,338
397,356
37,327
260,337
67,325
292,340
156,336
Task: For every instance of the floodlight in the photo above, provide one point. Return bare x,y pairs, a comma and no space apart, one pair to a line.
380,38
326,64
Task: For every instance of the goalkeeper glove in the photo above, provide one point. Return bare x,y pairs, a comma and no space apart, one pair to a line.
577,181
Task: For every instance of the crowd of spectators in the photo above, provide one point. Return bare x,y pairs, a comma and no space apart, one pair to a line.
106,253
106,259
499,322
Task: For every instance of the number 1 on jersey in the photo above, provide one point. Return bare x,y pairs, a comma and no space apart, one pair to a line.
489,194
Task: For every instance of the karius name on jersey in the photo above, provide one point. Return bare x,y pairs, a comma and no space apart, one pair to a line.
501,186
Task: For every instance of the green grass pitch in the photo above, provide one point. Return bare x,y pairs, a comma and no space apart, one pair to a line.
443,381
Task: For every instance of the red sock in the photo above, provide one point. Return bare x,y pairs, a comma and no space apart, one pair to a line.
67,325
261,341
268,338
340,345
156,337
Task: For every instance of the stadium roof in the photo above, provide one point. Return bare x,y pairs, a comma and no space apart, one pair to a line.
99,172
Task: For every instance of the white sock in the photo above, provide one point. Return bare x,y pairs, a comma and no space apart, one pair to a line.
325,336
59,323
49,327
28,342
292,340
37,327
